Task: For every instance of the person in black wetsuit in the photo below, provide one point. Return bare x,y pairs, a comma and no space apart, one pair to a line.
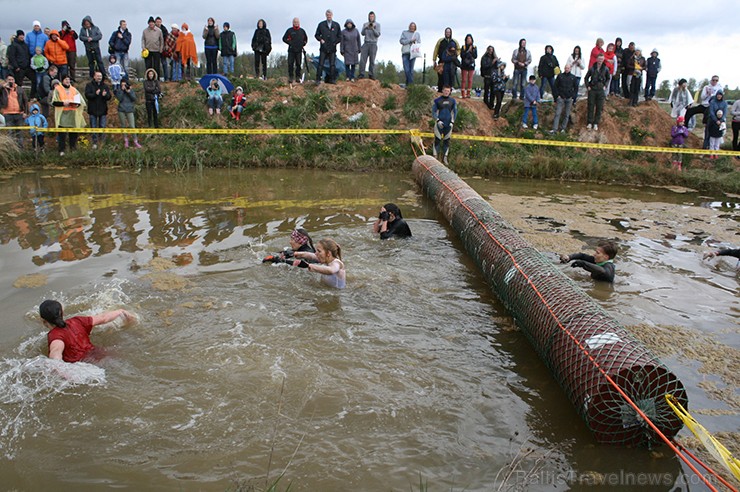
299,241
723,252
390,222
600,264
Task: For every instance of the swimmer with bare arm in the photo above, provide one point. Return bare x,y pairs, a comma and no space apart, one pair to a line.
69,340
330,265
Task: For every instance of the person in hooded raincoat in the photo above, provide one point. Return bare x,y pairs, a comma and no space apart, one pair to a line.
69,110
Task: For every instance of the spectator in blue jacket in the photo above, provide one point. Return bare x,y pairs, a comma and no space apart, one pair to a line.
35,39
531,99
37,120
119,42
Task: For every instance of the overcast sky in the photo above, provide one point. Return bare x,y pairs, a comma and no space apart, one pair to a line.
694,40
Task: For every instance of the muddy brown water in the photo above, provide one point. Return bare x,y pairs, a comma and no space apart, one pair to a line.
241,371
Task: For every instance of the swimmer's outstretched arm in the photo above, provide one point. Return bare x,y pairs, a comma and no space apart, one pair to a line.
723,252
56,348
107,317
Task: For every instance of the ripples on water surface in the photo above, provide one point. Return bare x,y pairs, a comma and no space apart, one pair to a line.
236,365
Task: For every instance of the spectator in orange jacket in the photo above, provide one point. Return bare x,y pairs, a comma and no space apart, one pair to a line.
188,52
56,51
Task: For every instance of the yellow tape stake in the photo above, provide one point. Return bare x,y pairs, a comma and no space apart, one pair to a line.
715,448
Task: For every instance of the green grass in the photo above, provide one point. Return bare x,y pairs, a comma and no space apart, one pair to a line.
466,119
418,102
390,103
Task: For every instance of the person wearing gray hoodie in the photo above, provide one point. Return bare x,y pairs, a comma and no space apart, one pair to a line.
90,36
371,31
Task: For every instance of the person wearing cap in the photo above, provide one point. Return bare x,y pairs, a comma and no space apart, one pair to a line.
187,50
227,47
90,35
56,52
296,39
119,43
19,59
69,36
679,134
652,70
36,39
170,46
328,35
300,242
152,41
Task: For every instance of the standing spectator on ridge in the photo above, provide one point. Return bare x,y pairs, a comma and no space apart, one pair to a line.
636,77
187,50
3,59
56,53
499,79
706,94
595,81
521,58
350,46
408,39
90,35
680,99
371,32
40,65
611,62
262,46
152,94
45,88
444,112
97,94
468,54
628,65
531,99
735,111
450,64
115,72
575,60
619,53
653,69
164,59
152,40
69,36
120,41
565,85
717,117
170,46
439,50
597,50
327,34
13,104
296,39
227,47
546,70
69,106
36,39
19,59
488,63
210,36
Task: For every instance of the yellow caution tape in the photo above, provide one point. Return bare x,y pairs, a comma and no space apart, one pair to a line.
415,134
715,448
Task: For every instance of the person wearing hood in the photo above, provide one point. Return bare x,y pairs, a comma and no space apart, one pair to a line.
371,32
716,129
187,50
69,36
170,46
97,94
450,62
13,104
3,59
152,41
152,95
90,35
350,46
717,116
56,52
37,121
119,42
409,38
652,69
210,37
262,46
328,34
521,58
468,54
115,72
546,70
19,59
227,47
69,108
440,49
296,38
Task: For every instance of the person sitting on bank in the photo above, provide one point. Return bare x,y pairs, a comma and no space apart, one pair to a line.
390,222
327,260
723,252
600,265
69,340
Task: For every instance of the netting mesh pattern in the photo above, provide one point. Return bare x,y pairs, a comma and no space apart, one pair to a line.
570,331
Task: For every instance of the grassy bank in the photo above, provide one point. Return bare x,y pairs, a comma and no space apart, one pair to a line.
369,104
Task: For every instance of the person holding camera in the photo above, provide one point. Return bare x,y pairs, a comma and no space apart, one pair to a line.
126,111
371,32
13,103
19,59
91,36
69,36
390,223
152,95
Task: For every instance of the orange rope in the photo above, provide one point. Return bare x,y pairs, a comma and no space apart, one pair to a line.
570,335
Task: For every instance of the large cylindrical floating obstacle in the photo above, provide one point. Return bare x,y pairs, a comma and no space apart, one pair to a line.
595,359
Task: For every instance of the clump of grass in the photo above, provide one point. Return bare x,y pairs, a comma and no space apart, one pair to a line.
390,103
318,102
8,150
466,119
392,122
418,102
354,99
638,135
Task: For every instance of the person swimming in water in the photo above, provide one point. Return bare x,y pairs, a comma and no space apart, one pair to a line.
69,340
329,264
390,222
299,240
